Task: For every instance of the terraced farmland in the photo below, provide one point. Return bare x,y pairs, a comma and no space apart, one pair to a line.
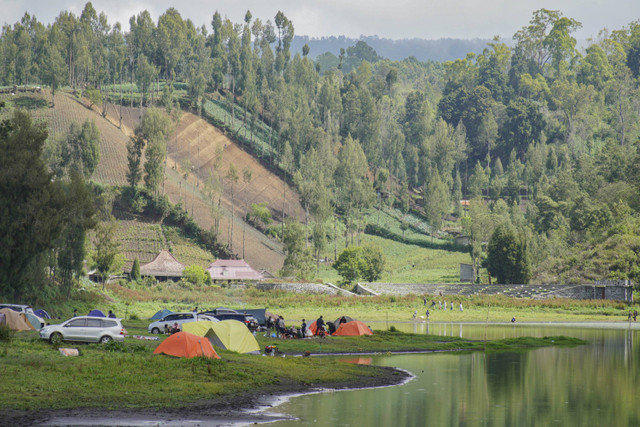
144,240
194,141
197,142
140,240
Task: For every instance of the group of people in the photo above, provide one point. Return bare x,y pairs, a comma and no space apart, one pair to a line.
322,328
441,305
633,315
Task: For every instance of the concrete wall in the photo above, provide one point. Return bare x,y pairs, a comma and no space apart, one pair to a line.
619,292
302,288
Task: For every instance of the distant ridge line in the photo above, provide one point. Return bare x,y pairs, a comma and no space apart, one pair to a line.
439,50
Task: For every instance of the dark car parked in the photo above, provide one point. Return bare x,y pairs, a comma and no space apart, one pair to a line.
226,314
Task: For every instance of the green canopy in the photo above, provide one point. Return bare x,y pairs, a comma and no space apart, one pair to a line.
227,334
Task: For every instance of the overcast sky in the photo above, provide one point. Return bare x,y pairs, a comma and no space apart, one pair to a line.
396,19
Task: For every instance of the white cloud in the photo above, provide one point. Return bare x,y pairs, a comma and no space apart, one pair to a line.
394,19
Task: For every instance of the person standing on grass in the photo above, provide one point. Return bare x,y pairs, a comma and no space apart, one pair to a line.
424,300
460,307
428,314
281,327
445,305
303,328
451,305
319,324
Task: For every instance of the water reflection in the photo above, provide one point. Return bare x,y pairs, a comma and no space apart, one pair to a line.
587,385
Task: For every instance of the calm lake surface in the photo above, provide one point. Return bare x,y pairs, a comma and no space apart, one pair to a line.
593,385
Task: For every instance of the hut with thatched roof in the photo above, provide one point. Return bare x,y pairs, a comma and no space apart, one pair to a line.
233,269
163,267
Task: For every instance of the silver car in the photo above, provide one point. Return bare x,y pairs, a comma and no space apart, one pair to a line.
85,329
168,321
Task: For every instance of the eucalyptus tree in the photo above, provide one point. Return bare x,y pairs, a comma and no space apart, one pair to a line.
354,191
218,53
171,36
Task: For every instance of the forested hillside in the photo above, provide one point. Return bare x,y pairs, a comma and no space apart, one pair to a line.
439,50
540,138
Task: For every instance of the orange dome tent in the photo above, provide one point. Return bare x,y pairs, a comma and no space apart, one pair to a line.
354,328
184,344
313,327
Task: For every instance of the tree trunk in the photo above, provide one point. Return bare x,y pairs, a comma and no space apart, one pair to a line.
335,237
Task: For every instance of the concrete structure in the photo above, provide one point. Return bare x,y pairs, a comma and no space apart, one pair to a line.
163,267
463,240
611,290
466,273
233,269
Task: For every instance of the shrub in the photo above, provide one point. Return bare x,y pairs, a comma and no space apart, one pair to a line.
6,333
119,347
195,274
135,270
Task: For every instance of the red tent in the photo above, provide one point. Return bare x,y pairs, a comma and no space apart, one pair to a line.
184,344
313,327
354,328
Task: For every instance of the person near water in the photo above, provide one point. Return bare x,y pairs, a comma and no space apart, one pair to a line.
415,313
440,304
428,314
513,320
451,305
433,304
444,305
303,328
460,307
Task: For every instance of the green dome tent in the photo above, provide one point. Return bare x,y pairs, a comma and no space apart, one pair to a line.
227,334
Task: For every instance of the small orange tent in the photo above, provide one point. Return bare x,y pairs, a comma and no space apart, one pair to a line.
354,328
313,327
184,344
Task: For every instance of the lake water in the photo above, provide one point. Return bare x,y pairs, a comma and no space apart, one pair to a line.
592,385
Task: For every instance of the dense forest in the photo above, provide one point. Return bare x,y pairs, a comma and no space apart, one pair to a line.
537,142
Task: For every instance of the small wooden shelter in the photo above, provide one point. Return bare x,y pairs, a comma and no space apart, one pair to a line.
233,269
163,267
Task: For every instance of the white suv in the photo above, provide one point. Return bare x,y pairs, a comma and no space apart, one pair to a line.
20,308
167,322
85,329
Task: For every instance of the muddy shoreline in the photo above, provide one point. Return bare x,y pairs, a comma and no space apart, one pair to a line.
239,409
